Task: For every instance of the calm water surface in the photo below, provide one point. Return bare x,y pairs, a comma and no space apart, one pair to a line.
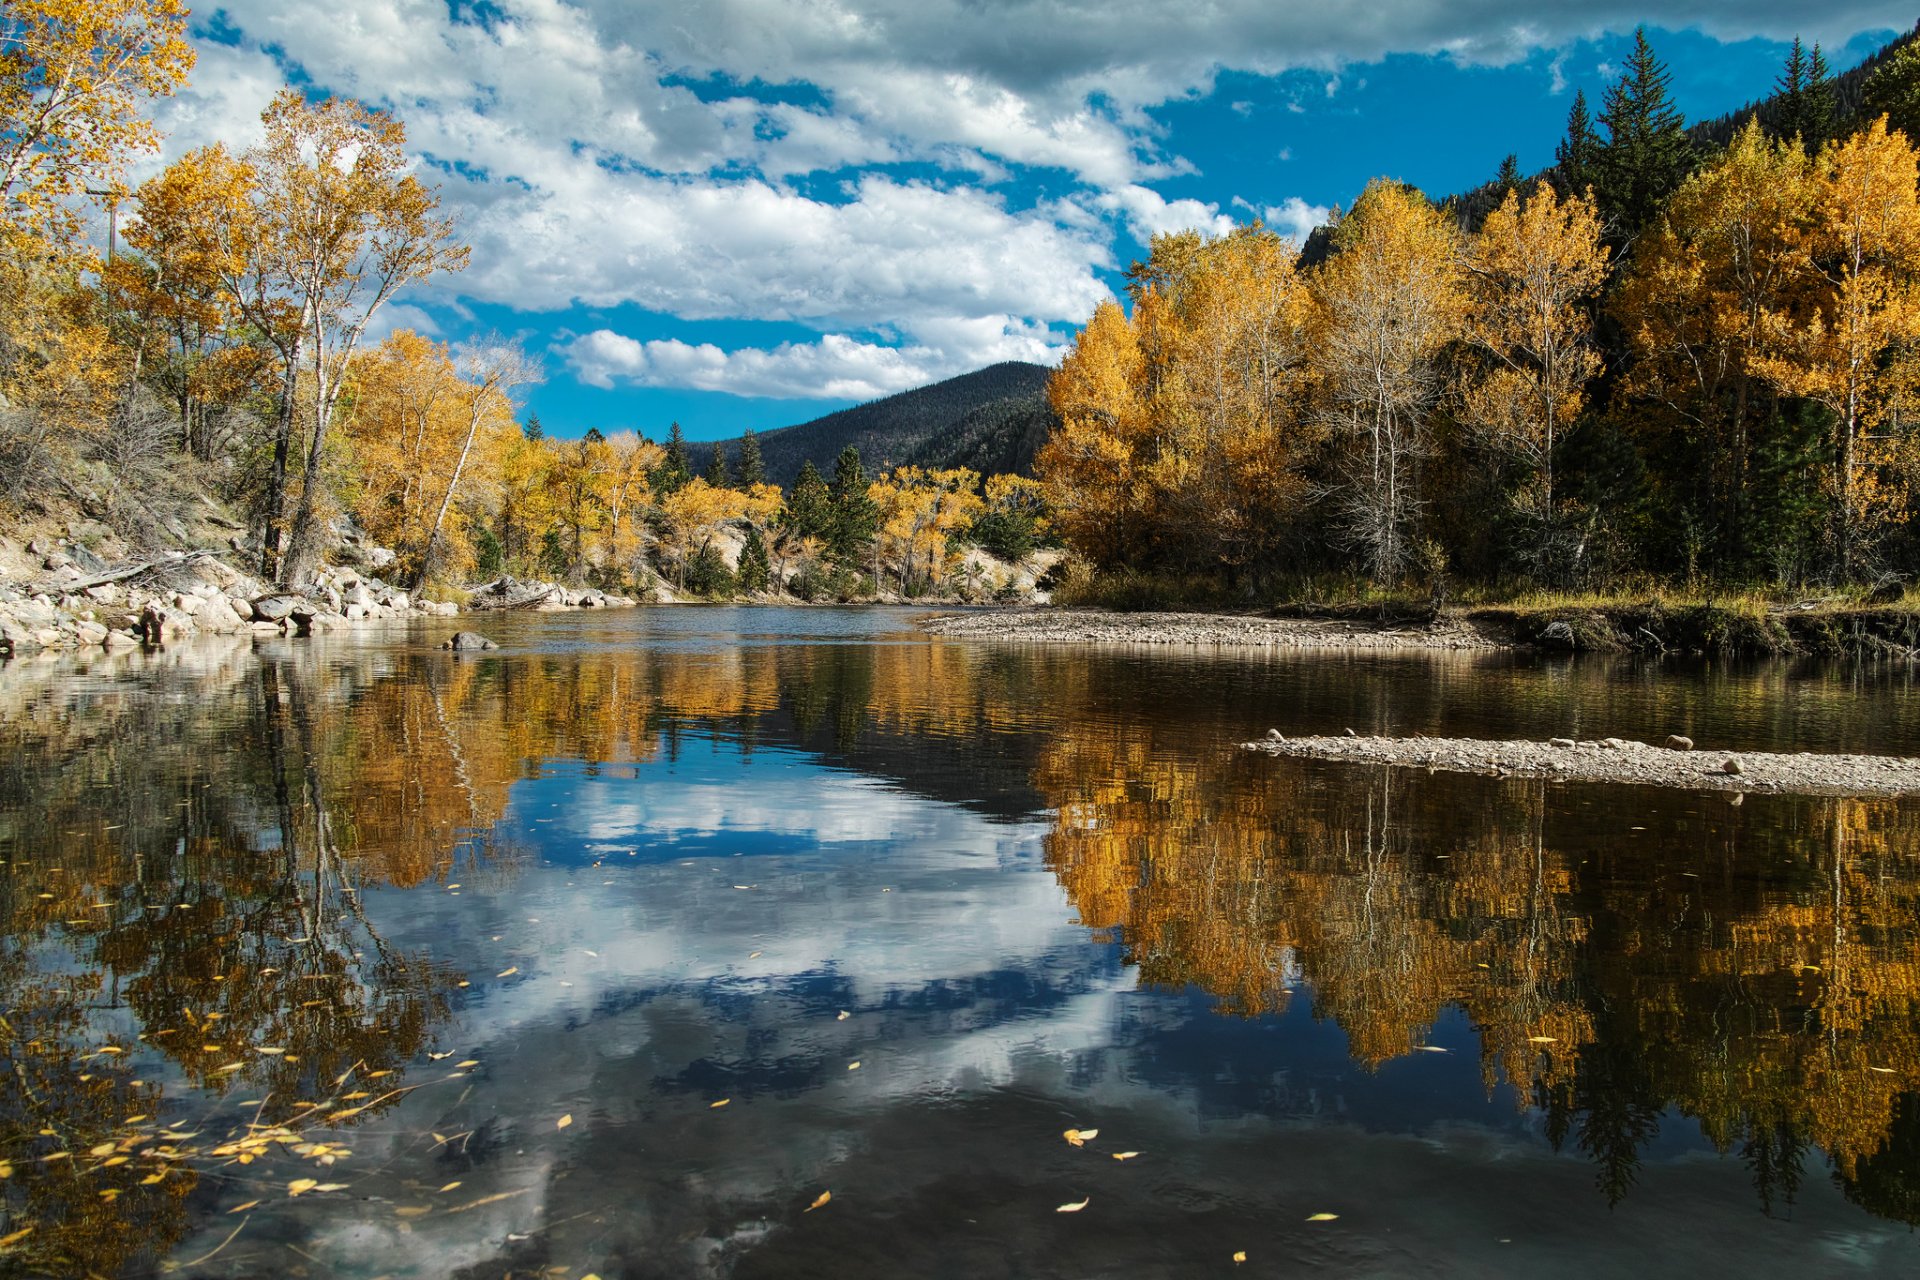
614,950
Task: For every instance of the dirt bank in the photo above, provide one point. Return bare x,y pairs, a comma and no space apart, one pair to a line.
1618,760
1084,626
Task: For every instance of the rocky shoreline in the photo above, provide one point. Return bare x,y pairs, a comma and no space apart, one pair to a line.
1096,626
1619,760
81,602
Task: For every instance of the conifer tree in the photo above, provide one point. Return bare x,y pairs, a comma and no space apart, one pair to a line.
717,467
809,510
675,470
1893,91
1647,153
1805,97
532,429
752,470
1508,179
854,516
1576,151
754,571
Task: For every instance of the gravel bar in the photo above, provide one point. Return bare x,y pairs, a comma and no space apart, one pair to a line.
1620,760
1097,626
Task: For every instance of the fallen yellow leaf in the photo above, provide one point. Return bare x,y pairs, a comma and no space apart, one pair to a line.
822,1199
1125,1155
1543,1039
844,1015
1074,1208
715,1106
564,1121
1080,1137
1240,1255
450,1186
508,972
299,1185
1323,1217
15,1237
854,1065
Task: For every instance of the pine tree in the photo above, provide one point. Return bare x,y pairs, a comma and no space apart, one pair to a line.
752,470
854,517
754,571
1805,98
1647,153
809,509
675,469
1893,91
1508,179
1576,152
532,429
717,467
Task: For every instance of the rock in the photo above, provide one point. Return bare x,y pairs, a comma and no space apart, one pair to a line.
356,595
119,640
1565,744
1679,742
379,557
1352,734
465,640
1274,735
159,624
91,633
398,601
1730,766
275,608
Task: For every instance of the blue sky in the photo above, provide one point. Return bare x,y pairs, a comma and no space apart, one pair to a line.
746,213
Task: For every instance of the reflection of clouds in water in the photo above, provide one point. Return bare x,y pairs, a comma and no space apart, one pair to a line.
828,806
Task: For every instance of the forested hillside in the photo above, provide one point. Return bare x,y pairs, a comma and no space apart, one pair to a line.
904,427
1664,363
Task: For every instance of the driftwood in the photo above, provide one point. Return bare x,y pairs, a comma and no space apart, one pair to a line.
119,575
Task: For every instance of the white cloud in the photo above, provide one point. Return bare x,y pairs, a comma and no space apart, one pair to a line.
605,153
1295,218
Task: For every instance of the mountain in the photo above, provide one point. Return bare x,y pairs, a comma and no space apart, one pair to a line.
988,416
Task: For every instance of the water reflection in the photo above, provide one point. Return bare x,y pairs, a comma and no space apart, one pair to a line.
363,915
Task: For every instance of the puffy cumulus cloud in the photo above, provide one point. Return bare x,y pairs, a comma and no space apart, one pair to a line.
836,367
603,153
1295,218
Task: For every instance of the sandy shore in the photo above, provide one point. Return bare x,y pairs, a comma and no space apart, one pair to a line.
1095,626
1617,760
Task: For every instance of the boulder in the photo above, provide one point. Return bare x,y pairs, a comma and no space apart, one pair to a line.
91,633
275,608
159,624
1565,744
1731,765
1679,742
462,641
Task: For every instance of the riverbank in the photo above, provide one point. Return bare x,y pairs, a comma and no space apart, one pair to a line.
1095,626
1619,760
1652,627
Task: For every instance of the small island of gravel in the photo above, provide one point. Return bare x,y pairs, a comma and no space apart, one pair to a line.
1618,760
1098,626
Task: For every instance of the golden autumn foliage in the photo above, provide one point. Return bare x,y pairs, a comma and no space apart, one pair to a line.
921,511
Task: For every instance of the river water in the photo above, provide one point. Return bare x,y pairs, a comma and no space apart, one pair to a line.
774,943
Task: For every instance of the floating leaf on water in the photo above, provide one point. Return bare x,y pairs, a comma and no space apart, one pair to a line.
844,1015
301,1185
104,1149
1885,1071
1125,1155
272,1051
435,1057
15,1237
854,1065
1079,1137
715,1106
821,1199
755,955
508,972
135,1119
1432,1048
331,1186
412,1210
1322,1217
470,1062
564,1121
1543,1039
1240,1255
1074,1208
450,1186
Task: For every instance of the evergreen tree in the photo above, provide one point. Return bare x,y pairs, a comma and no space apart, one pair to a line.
1508,179
1575,154
532,429
1647,153
1805,98
752,470
809,508
675,469
755,570
717,467
854,517
1893,91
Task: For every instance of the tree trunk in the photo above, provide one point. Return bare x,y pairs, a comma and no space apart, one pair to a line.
270,544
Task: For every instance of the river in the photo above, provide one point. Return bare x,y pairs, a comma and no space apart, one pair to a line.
768,942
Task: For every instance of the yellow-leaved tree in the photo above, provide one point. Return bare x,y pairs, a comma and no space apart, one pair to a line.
1390,299
1693,303
1090,462
1531,272
920,510
1852,348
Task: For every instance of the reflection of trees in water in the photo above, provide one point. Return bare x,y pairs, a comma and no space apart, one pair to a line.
1761,977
